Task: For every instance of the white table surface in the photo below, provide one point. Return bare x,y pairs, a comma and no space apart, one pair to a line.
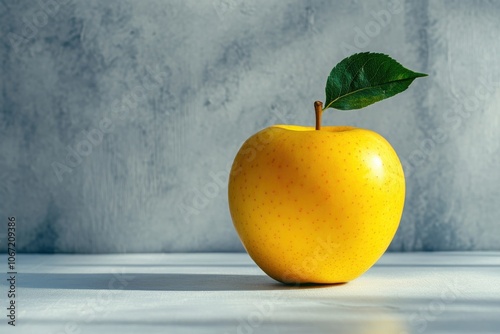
456,292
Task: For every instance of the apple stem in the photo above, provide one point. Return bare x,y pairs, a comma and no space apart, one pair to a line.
318,107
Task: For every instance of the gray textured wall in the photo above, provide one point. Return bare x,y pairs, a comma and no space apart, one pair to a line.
176,86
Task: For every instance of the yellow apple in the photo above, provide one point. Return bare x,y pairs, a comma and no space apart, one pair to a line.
316,206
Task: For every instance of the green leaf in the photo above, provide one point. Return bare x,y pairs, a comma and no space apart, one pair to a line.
365,78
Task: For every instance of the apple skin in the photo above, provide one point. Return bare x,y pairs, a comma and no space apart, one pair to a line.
316,206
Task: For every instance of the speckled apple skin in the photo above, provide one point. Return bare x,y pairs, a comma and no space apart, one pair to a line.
316,206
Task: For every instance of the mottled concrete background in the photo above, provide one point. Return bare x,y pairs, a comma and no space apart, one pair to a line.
119,119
